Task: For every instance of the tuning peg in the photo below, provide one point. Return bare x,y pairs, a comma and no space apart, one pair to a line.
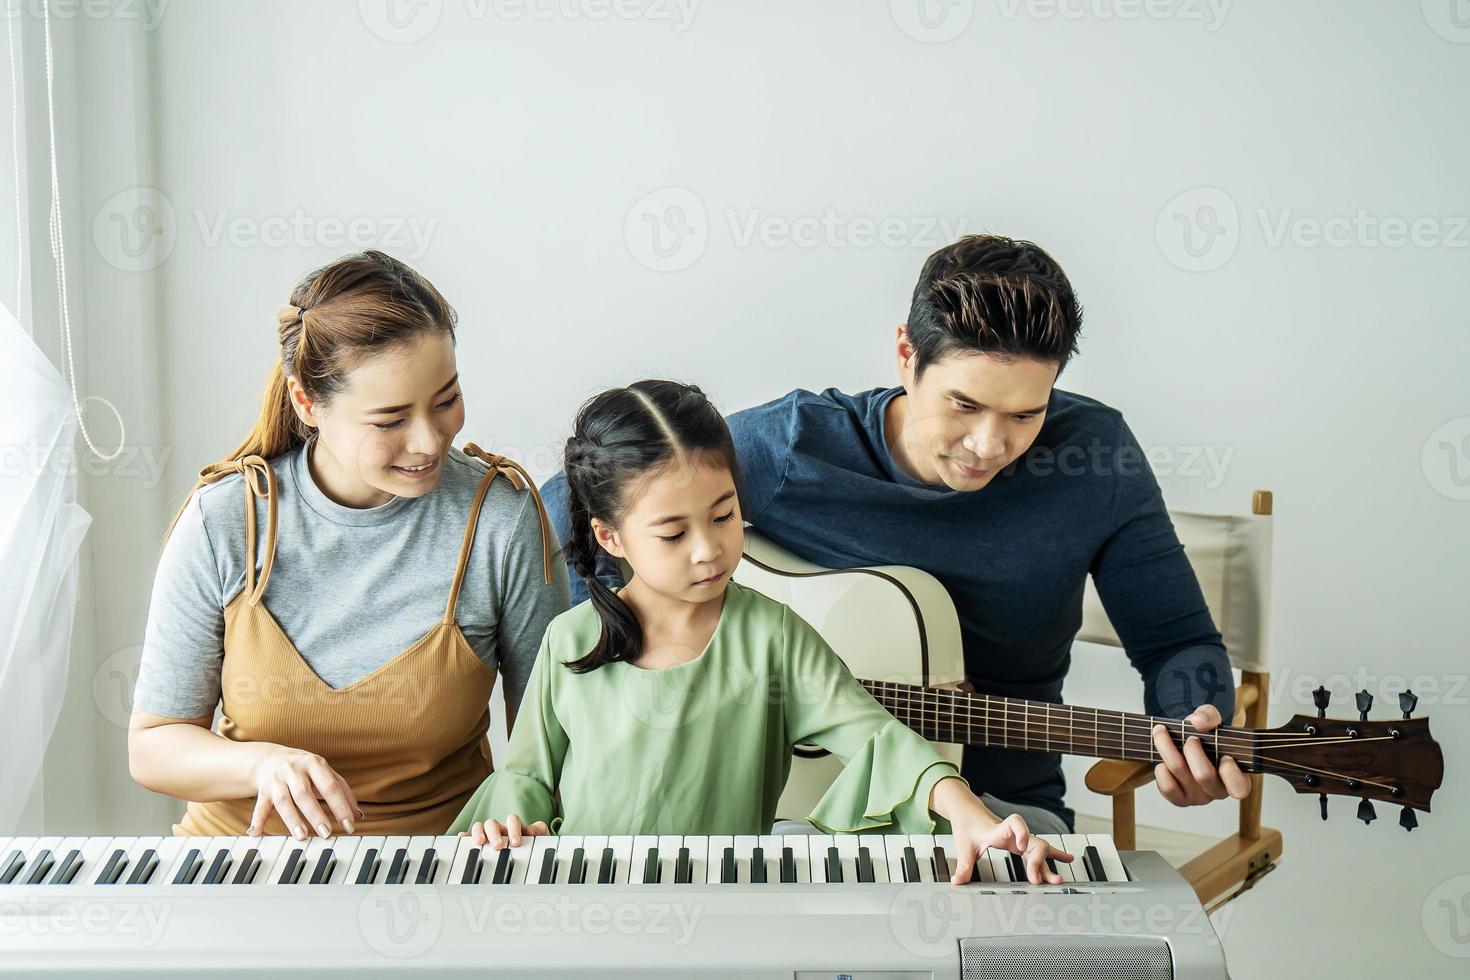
1365,811
1365,704
1408,701
1322,798
1407,820
1321,697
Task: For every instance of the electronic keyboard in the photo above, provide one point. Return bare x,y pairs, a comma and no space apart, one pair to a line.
802,906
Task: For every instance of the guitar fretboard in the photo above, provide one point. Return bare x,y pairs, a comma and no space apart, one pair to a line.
948,715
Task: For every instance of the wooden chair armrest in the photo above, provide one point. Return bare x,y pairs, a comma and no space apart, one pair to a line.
1245,698
1112,777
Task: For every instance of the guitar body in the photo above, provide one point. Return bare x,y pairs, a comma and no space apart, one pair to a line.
887,623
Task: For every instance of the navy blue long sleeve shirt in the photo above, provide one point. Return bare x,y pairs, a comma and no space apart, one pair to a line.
818,478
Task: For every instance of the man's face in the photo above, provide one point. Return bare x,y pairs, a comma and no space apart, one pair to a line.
969,416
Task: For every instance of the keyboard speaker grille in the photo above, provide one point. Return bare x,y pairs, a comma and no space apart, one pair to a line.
1066,958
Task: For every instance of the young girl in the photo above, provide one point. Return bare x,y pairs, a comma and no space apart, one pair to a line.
344,585
672,705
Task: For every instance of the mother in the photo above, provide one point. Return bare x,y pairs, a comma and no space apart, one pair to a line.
353,653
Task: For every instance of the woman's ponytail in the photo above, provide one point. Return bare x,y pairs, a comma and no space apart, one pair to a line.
359,305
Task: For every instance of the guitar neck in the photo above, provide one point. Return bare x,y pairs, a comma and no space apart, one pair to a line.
948,715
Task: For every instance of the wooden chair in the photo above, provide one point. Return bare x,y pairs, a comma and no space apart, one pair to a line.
1231,556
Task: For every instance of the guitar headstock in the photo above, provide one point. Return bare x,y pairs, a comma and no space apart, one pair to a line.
1390,761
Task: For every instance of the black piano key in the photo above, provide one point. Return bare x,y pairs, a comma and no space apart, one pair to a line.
249,864
1017,866
503,866
548,867
292,872
218,868
69,868
147,864
368,870
1092,861
189,868
758,866
325,865
683,869
651,869
40,868
910,865
471,874
941,864
834,866
398,870
428,865
865,865
728,875
577,874
788,866
605,868
1051,865
114,868
13,864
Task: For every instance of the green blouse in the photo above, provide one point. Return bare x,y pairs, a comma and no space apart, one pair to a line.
704,747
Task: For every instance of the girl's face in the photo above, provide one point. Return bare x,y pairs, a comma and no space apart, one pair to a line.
387,433
683,532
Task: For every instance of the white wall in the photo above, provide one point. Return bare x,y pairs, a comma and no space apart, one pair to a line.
527,146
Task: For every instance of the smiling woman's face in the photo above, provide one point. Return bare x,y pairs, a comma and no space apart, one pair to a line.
387,433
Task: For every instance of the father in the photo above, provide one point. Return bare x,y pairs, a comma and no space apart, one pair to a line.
895,476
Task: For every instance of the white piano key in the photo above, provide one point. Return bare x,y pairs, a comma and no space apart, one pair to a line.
592,848
817,845
90,875
539,848
698,858
641,844
1076,845
1111,861
745,845
623,863
893,845
483,856
951,853
714,854
847,852
566,849
33,861
770,845
984,868
271,876
366,847
668,855
1000,863
800,845
1067,871
86,849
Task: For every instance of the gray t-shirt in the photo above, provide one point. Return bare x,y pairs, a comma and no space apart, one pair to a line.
351,588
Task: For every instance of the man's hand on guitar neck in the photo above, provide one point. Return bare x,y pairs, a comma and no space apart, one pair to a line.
1189,778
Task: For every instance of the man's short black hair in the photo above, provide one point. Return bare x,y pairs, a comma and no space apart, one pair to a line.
994,295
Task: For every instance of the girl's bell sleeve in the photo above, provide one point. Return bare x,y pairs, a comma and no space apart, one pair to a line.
889,769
